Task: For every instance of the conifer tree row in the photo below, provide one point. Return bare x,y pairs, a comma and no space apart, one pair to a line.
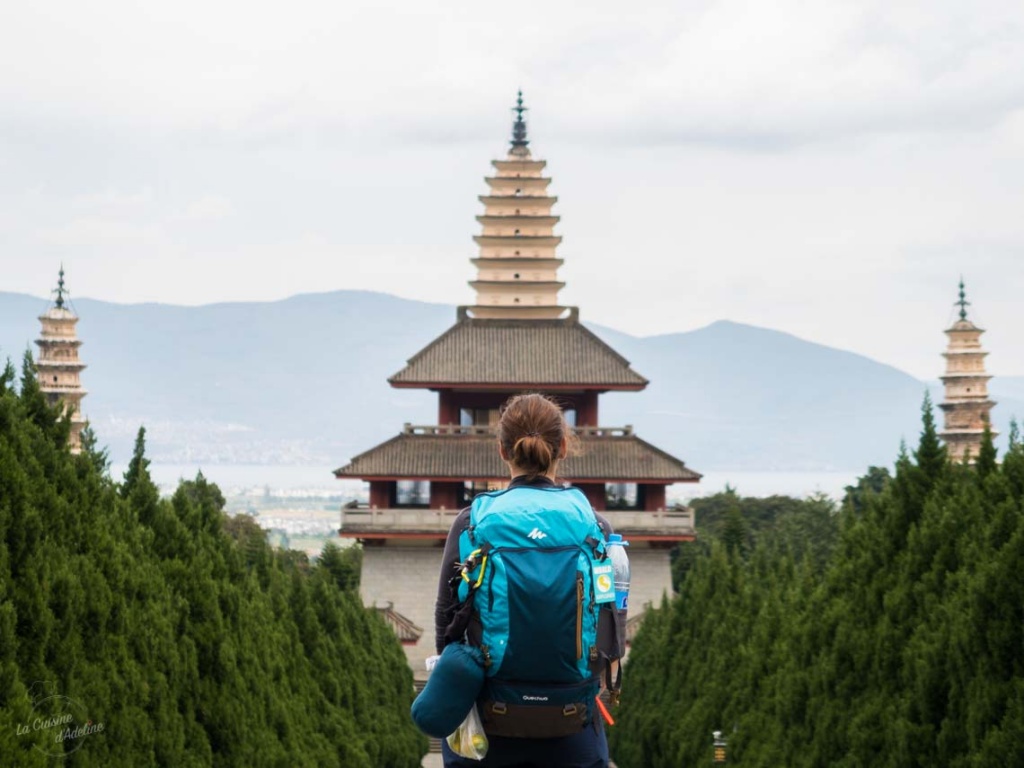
899,646
178,629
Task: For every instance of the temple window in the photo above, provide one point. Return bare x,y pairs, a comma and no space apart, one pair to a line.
412,493
621,495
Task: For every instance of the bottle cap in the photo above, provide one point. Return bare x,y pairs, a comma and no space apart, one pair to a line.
614,538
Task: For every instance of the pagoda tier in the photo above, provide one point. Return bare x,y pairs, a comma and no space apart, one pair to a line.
447,451
517,224
449,463
515,263
512,221
519,355
966,405
58,365
505,206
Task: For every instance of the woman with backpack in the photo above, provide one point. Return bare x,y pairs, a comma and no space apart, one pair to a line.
518,585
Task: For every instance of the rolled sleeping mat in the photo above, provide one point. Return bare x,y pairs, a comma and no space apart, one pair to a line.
451,691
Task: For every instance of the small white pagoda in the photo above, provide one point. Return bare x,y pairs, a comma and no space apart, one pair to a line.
966,404
58,367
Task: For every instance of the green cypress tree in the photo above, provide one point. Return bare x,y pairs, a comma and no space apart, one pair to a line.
138,487
986,463
35,406
931,454
98,457
7,377
734,533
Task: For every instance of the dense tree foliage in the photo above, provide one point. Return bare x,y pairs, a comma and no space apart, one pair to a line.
178,630
902,645
781,523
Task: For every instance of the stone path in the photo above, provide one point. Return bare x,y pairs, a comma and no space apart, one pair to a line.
434,761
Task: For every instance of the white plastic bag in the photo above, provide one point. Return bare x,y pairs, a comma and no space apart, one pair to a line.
469,739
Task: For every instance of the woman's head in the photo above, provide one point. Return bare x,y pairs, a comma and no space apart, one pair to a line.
533,434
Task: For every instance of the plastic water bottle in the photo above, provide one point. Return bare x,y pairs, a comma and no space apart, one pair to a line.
620,569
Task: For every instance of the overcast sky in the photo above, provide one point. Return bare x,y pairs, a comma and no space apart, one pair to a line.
826,168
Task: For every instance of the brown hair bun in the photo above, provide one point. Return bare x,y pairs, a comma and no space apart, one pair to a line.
531,431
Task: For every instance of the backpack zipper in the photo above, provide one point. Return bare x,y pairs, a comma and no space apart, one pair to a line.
579,615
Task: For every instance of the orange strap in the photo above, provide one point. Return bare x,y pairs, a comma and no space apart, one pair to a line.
604,711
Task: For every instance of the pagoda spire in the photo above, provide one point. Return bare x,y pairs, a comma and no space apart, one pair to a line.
519,141
517,267
966,405
963,303
58,365
60,290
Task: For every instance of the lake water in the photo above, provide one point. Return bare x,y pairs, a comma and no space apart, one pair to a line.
239,479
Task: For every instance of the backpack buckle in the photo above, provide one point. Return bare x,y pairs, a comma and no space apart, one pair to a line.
569,710
499,708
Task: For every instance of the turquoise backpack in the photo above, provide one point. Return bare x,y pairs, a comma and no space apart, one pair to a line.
529,556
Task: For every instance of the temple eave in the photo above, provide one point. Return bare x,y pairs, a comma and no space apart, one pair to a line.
451,453
953,403
511,181
971,434
508,262
522,240
60,364
519,163
509,218
532,199
522,285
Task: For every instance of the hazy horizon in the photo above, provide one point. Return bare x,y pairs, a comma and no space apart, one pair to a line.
829,170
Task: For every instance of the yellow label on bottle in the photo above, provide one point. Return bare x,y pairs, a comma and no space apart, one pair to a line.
604,583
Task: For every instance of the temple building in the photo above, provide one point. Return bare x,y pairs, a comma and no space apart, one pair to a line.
516,338
58,367
966,405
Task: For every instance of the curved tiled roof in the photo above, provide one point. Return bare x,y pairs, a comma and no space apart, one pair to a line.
537,353
406,630
437,453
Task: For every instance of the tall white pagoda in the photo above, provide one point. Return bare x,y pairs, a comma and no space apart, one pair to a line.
517,269
966,404
58,367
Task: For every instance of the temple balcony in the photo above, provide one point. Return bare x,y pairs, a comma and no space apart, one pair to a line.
75,388
363,522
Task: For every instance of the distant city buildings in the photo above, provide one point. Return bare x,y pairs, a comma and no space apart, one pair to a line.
58,367
966,405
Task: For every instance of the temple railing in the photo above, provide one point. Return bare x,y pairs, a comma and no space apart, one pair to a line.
447,429
677,521
403,520
484,429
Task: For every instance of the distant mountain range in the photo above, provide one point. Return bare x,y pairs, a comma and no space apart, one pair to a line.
303,381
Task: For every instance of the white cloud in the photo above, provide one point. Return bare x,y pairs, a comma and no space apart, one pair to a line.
208,208
100,232
730,71
276,149
113,201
